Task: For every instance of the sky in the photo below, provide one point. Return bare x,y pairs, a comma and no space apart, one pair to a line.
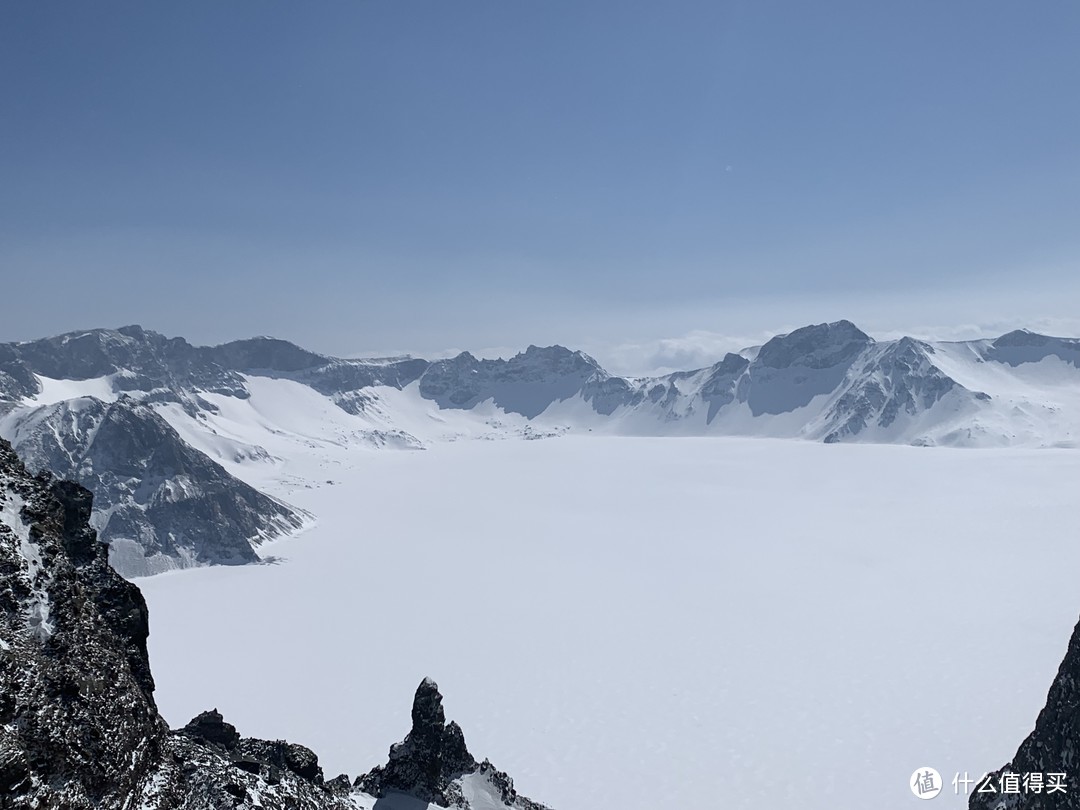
655,183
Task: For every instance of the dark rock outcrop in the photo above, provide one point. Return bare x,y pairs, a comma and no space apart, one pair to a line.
162,369
78,725
721,383
823,345
429,759
79,728
17,379
210,727
285,756
339,379
1021,346
160,502
790,370
526,384
268,758
432,760
1052,748
136,359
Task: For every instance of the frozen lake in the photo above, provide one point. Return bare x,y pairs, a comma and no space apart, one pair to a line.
636,623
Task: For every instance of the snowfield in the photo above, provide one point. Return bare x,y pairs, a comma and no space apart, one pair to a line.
633,623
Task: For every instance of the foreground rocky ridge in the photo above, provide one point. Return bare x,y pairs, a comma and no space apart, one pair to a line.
1052,751
78,724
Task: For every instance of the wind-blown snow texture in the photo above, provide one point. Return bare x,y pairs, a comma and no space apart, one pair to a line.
199,409
631,621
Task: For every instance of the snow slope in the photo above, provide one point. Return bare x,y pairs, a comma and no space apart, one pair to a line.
253,405
828,382
631,622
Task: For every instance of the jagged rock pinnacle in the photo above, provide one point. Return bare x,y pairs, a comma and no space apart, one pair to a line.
432,761
427,710
431,756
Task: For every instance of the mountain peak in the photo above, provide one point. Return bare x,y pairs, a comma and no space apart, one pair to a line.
134,331
1022,337
432,755
427,709
265,354
558,358
821,345
432,763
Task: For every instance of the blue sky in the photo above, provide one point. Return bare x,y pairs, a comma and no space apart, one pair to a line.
632,178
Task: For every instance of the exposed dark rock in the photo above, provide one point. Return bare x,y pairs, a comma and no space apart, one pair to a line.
790,370
284,755
505,787
821,346
79,729
432,759
77,708
249,765
78,725
1052,748
721,384
264,354
140,359
1022,346
328,375
17,379
899,379
432,755
339,784
210,727
160,502
606,394
526,384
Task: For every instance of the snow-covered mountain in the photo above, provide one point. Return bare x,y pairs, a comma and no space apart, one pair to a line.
158,500
205,428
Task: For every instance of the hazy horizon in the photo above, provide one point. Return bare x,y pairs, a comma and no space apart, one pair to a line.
646,183
657,355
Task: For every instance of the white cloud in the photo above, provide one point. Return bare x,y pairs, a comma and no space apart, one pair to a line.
695,349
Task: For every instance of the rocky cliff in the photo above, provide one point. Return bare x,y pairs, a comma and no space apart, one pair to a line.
1051,751
160,503
79,728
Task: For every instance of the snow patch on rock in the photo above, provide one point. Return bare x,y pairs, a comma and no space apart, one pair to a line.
38,607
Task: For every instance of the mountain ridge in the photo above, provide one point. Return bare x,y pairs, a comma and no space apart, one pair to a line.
236,412
774,381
